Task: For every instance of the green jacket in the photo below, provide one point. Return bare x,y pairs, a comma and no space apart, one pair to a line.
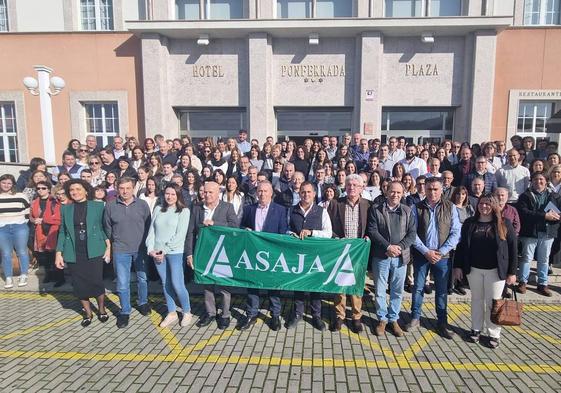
94,229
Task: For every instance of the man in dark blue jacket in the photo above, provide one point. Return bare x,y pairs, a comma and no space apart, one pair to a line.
263,216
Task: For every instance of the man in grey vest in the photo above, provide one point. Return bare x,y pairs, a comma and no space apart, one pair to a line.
391,227
438,232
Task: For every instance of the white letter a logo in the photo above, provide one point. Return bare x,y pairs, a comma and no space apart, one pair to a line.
221,265
344,270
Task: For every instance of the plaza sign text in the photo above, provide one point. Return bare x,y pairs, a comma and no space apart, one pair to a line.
417,70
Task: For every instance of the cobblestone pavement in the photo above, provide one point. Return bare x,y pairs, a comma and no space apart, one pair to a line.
44,348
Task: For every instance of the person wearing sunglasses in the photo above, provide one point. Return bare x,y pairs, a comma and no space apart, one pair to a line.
83,156
45,217
98,174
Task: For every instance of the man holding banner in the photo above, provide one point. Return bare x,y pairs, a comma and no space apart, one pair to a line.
348,219
212,212
308,219
263,216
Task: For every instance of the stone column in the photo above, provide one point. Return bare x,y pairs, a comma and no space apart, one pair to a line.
368,110
159,116
362,8
483,83
260,112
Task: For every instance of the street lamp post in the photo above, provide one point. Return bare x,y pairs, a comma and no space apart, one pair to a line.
42,87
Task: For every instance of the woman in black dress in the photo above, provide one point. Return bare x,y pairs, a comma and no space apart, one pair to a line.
84,246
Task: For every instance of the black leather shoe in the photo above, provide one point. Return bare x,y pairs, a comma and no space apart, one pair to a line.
460,290
122,321
247,323
318,324
444,332
337,325
275,323
103,318
223,323
59,283
145,309
86,320
428,289
205,320
357,326
293,322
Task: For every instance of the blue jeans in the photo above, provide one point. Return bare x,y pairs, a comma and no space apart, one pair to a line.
383,269
123,262
440,271
541,247
171,273
14,236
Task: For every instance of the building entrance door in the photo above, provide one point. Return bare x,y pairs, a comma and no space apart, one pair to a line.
417,124
298,124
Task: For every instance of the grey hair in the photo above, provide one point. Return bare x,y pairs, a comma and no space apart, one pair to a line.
354,176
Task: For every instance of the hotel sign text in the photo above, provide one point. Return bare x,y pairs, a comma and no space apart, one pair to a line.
208,71
417,70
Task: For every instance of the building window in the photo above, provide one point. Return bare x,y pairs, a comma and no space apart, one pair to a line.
8,133
541,12
187,9
445,8
3,16
96,14
418,124
407,119
297,9
534,116
217,123
334,9
213,9
403,8
102,120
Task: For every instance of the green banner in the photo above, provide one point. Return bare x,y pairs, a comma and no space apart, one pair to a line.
241,258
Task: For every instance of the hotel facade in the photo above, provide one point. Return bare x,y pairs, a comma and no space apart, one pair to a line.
471,70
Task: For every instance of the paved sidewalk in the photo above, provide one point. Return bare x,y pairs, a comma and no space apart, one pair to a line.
44,349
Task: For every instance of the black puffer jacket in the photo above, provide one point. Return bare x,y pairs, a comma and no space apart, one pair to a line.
532,216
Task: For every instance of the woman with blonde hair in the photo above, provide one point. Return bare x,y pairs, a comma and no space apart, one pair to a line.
488,256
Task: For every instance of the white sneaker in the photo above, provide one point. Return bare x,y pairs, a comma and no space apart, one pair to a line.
170,320
187,319
22,280
9,283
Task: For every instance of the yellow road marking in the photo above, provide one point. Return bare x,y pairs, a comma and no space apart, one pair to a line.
549,339
358,363
39,328
167,335
203,343
388,353
425,339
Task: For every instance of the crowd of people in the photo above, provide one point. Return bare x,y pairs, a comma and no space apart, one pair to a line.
459,213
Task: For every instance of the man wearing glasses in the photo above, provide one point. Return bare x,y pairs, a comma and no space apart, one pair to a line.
438,232
91,143
480,171
118,149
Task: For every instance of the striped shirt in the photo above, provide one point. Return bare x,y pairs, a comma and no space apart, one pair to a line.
14,208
